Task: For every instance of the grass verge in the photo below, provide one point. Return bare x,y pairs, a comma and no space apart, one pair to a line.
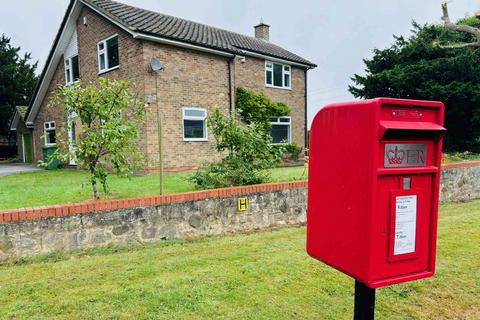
264,275
69,186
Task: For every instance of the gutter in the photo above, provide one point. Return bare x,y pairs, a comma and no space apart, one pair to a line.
306,111
230,93
274,59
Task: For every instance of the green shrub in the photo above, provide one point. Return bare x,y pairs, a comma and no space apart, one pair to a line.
293,150
229,172
248,151
290,151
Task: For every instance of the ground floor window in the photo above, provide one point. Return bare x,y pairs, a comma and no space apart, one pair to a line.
194,124
281,130
50,133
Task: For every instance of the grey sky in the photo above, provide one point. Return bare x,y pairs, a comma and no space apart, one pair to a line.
334,34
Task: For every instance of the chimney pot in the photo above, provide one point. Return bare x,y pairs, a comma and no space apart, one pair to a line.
262,31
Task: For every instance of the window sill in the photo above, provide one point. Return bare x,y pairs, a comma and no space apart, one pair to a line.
282,88
195,140
72,83
280,144
108,70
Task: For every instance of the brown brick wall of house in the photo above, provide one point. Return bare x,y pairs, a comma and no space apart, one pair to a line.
130,51
190,79
251,75
48,113
198,79
97,29
131,68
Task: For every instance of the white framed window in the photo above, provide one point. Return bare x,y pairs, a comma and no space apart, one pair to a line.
281,130
72,70
108,58
50,133
195,124
278,75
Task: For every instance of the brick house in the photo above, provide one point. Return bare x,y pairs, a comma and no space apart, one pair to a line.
203,66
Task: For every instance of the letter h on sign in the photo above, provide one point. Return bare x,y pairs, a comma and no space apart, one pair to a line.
242,204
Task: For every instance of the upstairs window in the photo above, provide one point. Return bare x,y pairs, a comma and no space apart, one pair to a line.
50,133
277,75
195,124
108,54
72,71
281,130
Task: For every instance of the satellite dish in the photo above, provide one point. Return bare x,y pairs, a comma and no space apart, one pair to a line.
156,65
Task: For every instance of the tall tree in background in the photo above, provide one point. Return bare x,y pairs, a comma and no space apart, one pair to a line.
17,81
420,67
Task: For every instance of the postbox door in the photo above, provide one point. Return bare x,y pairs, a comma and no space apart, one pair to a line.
402,225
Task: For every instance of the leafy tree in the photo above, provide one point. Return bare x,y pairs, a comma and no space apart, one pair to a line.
248,152
17,81
111,117
417,67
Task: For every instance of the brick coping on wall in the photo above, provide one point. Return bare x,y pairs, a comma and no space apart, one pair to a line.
28,214
465,164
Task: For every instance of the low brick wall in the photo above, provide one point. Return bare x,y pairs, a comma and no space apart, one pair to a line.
62,228
26,232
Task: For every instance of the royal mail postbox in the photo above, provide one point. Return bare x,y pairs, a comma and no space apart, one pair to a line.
373,188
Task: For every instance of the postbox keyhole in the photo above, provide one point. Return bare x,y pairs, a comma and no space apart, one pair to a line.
407,183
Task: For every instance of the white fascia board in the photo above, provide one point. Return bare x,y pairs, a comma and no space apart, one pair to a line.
13,125
273,59
65,36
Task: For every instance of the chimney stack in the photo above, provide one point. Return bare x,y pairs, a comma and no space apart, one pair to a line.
262,31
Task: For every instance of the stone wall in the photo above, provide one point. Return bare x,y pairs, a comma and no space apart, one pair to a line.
214,212
26,232
460,182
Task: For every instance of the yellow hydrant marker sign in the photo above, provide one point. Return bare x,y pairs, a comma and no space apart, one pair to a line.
242,204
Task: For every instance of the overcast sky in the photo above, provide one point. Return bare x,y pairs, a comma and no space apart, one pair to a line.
334,34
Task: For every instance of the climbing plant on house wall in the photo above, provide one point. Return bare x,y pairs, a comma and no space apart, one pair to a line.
257,107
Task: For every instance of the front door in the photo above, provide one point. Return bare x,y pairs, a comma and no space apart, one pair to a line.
27,147
72,140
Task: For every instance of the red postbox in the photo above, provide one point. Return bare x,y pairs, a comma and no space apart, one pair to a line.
374,178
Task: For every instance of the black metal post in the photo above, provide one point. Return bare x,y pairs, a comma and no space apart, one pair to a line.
364,302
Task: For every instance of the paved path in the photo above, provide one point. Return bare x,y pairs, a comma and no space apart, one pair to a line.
9,168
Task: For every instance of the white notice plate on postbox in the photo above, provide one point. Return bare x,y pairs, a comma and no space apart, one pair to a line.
405,224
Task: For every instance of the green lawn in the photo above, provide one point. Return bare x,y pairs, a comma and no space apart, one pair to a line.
68,186
265,275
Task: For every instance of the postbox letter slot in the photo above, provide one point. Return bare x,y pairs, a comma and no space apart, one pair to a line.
411,130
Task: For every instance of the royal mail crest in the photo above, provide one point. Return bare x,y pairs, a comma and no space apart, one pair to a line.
405,155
